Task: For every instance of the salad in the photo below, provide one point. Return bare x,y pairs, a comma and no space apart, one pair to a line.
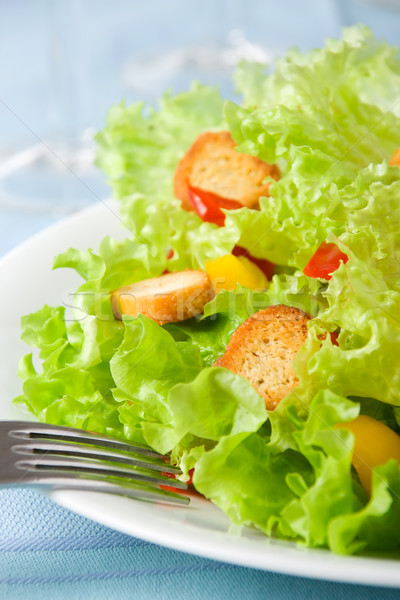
320,466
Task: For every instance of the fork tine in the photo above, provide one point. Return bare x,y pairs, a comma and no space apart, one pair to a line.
60,448
27,430
77,465
60,457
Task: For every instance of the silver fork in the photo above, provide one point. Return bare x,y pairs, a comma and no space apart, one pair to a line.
37,454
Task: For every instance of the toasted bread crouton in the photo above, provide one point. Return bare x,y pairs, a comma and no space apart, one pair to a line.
170,298
213,164
262,350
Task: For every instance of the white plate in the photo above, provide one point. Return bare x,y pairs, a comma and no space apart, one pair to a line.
27,283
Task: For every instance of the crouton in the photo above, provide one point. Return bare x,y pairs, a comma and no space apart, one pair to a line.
213,164
262,350
170,298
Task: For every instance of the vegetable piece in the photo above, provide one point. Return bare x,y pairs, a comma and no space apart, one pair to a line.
170,298
169,255
374,444
266,267
208,205
325,261
395,160
213,164
262,350
226,272
169,488
333,335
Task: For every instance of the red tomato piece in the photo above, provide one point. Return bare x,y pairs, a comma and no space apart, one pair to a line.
266,267
208,205
325,261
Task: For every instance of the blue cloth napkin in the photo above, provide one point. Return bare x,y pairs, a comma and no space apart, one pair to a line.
49,553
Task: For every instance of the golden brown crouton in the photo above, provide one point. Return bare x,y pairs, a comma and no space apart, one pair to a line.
212,164
262,350
166,299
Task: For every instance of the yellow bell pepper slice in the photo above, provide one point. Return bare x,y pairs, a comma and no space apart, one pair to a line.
374,445
227,271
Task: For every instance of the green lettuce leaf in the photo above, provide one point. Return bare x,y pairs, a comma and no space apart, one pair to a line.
334,509
316,117
363,296
74,385
140,147
370,65
377,525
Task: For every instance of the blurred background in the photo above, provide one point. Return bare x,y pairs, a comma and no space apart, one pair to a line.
63,63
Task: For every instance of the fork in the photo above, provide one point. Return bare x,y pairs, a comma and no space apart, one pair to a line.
50,456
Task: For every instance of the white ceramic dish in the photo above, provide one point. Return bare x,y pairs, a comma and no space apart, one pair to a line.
27,283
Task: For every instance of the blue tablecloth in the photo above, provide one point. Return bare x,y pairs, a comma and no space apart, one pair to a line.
48,553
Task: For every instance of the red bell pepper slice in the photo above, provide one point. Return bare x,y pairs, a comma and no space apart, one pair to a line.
169,255
334,336
169,488
208,205
325,261
266,267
